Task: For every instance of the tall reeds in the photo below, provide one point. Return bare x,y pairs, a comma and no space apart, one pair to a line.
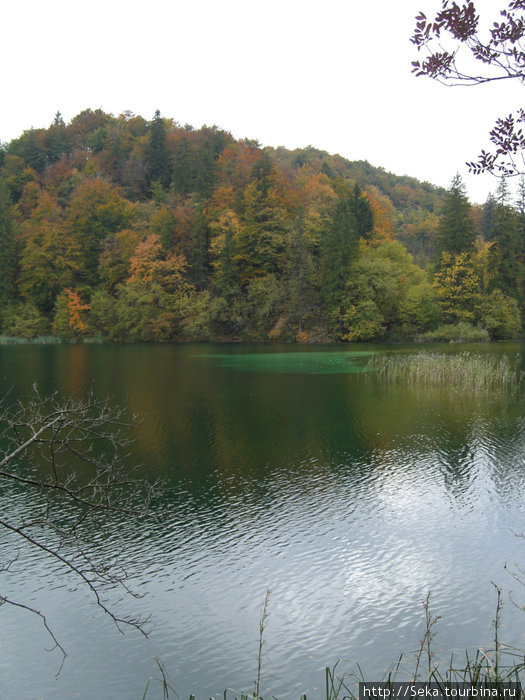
466,371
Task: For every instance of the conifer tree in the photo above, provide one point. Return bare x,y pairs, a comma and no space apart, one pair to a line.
507,244
157,153
456,232
487,220
339,247
302,293
363,212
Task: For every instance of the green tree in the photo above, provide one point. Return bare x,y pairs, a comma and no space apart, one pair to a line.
97,210
456,232
508,244
380,295
30,148
205,160
182,165
157,153
24,320
56,140
487,220
500,315
304,299
198,249
262,237
351,221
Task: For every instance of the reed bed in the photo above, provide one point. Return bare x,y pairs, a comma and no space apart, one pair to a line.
49,340
465,371
39,340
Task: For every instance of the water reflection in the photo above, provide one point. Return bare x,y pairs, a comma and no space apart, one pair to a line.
348,498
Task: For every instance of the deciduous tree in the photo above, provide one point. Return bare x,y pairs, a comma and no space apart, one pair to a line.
452,39
457,287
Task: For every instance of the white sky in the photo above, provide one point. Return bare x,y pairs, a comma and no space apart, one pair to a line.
334,74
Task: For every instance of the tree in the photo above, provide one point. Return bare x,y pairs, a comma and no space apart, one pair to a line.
97,210
303,297
51,256
507,244
487,219
352,220
500,315
70,315
223,248
500,54
377,294
456,233
69,457
7,247
456,284
157,153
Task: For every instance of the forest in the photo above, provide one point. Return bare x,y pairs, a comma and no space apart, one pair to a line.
127,229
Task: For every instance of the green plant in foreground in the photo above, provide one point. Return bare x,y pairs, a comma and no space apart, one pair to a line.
493,668
262,621
163,680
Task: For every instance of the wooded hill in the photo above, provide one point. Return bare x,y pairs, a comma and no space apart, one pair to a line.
148,230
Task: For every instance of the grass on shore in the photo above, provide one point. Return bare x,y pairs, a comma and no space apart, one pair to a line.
46,340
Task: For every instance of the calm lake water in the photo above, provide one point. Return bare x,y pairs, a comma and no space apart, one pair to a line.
290,469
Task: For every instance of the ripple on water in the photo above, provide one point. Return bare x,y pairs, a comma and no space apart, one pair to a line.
350,503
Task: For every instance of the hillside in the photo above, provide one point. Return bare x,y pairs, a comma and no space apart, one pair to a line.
148,230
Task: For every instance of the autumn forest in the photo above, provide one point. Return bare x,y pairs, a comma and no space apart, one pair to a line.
125,229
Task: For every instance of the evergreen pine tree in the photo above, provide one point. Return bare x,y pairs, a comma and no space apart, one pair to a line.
302,293
456,232
339,247
507,244
487,221
157,153
363,212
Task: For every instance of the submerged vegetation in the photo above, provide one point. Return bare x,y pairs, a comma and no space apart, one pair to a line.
474,372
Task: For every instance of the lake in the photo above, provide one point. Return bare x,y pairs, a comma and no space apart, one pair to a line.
287,468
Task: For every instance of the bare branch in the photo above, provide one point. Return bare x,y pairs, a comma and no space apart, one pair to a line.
72,456
56,643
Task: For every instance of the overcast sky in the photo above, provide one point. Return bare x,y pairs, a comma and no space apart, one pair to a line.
334,74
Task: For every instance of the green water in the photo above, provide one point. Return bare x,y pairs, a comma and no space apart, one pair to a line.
295,362
289,469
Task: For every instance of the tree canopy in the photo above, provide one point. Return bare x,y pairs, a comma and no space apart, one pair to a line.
129,230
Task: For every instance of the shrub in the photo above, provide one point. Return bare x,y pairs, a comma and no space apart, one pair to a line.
457,333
